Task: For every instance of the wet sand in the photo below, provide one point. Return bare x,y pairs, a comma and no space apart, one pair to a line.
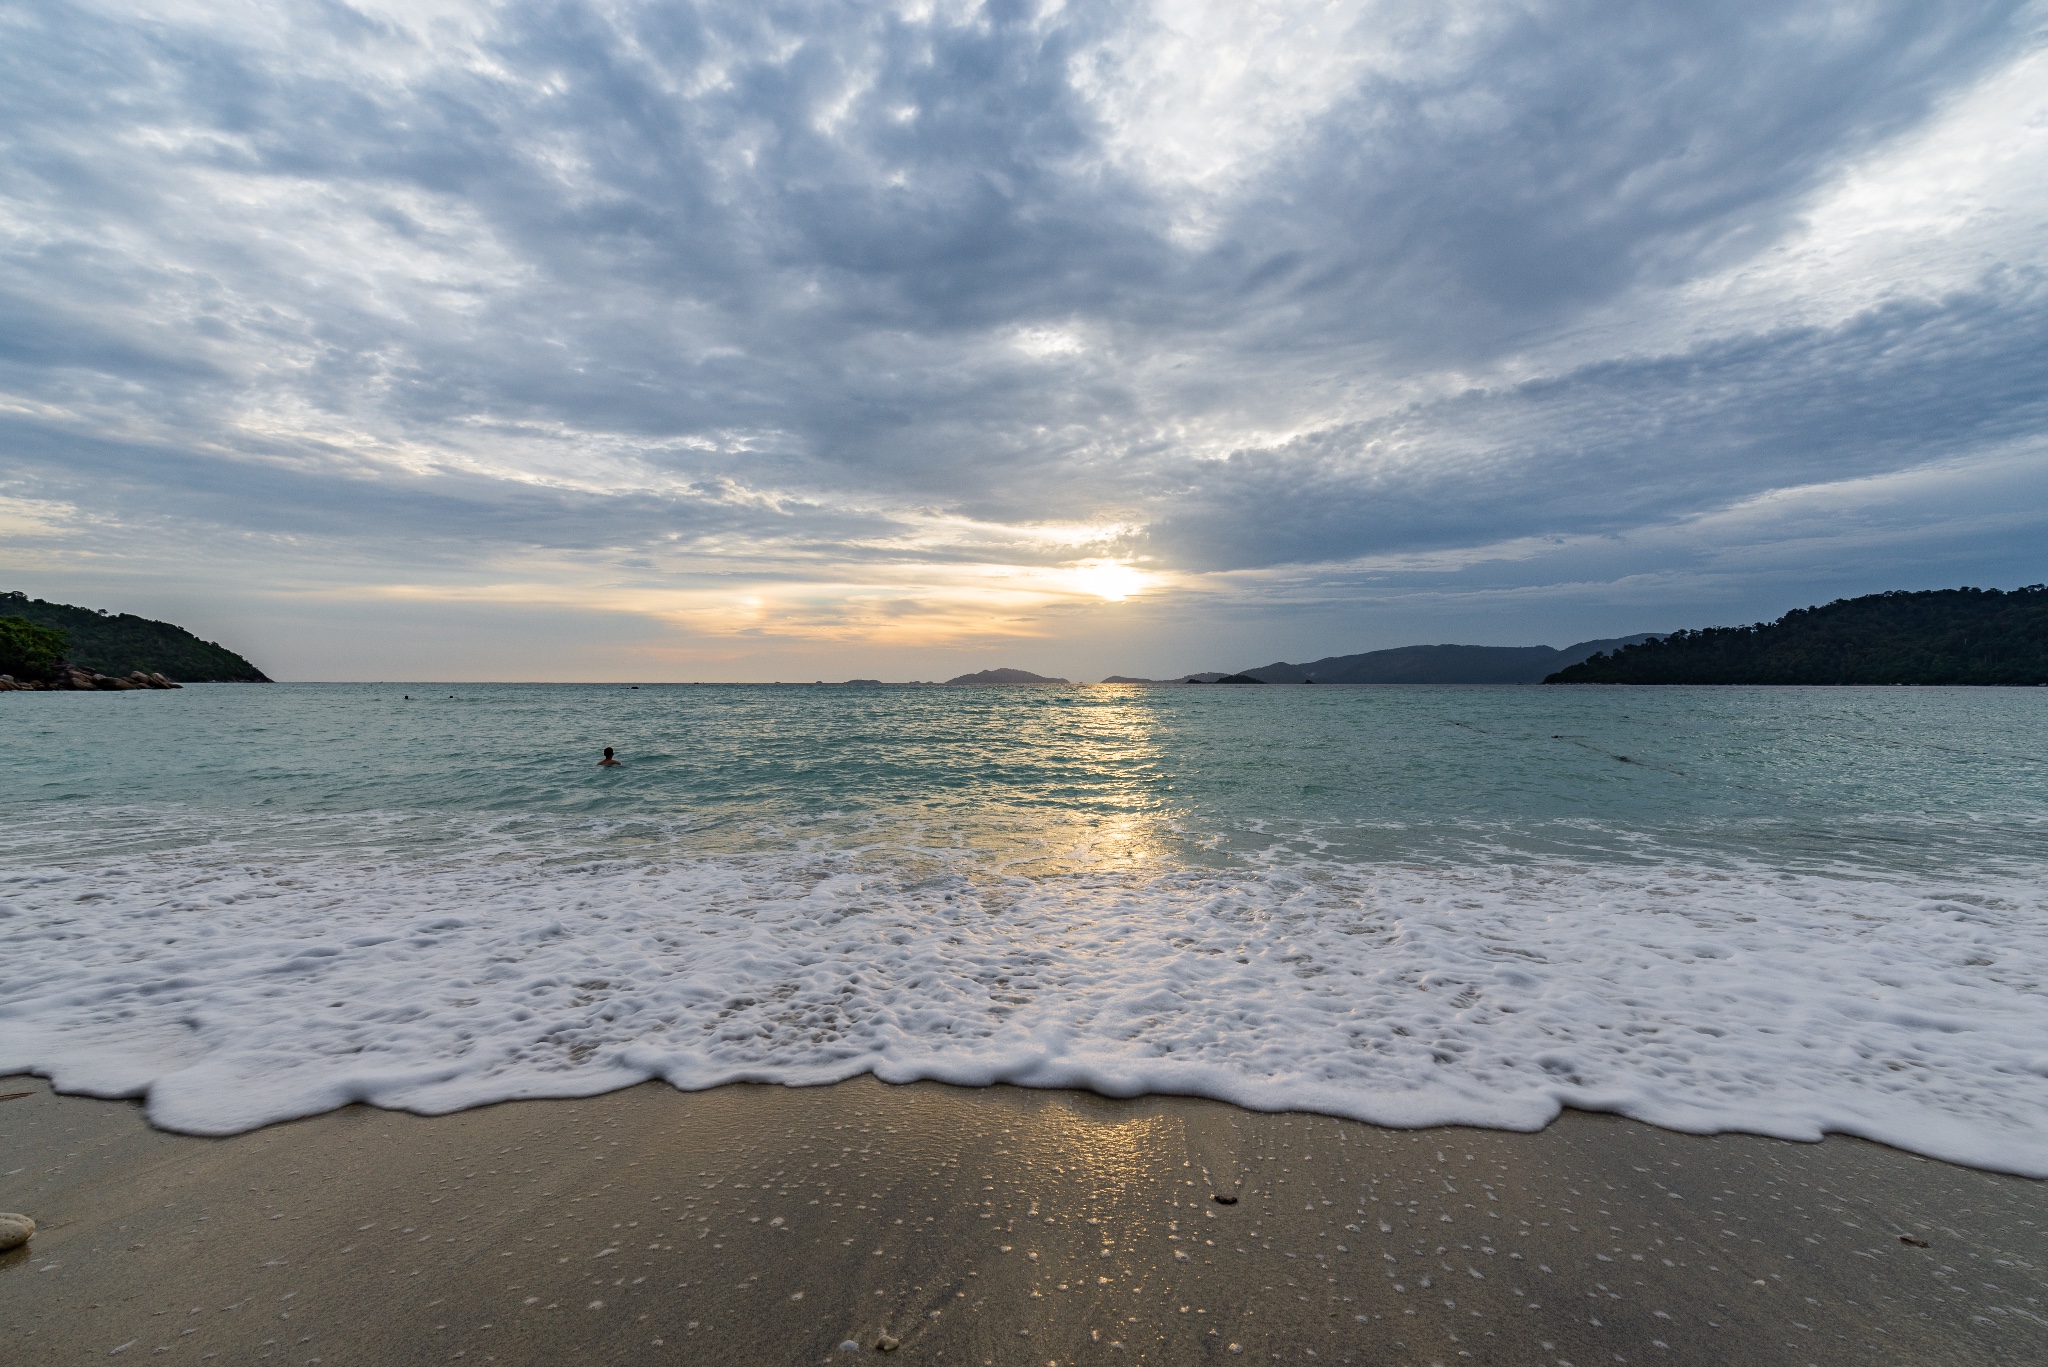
1000,1226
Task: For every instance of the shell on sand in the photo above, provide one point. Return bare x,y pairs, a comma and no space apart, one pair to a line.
14,1230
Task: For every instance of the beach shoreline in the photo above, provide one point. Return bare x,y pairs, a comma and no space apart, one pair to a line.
994,1226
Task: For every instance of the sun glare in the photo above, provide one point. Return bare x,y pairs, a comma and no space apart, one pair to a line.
1108,579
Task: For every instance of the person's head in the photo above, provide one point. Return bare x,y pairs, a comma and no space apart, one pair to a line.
607,752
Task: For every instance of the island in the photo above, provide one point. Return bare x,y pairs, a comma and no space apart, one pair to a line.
1004,676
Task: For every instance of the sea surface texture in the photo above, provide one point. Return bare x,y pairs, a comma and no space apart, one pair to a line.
1788,911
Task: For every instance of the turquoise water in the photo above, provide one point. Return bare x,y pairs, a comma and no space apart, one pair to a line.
1790,910
1876,779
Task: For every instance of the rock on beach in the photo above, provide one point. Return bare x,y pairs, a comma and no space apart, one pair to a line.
15,1230
77,678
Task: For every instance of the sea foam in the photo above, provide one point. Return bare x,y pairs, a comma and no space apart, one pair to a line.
232,991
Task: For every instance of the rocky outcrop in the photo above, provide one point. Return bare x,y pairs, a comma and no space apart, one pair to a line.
117,642
77,678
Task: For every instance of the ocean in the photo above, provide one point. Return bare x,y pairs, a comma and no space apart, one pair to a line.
1785,911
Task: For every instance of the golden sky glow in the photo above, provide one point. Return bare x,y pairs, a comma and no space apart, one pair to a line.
905,605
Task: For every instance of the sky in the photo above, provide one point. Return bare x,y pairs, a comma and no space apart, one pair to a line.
423,339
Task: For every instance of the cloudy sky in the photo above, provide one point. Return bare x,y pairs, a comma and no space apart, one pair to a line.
724,340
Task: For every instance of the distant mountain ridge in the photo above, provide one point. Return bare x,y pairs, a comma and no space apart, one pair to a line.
1936,637
122,643
1444,664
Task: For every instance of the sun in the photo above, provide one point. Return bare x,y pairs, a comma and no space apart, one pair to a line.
1110,580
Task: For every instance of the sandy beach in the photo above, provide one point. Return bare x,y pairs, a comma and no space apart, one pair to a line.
999,1226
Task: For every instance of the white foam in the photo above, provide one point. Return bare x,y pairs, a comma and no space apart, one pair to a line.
233,992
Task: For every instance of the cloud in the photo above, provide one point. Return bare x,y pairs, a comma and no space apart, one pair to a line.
1626,442
862,309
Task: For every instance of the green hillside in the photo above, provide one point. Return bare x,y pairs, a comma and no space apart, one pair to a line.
1945,636
118,643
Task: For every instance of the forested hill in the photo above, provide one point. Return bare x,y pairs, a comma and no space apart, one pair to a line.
1946,636
117,643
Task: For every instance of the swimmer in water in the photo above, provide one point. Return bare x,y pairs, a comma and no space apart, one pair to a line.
607,762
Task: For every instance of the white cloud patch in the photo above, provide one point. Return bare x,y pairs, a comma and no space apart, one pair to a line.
945,322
